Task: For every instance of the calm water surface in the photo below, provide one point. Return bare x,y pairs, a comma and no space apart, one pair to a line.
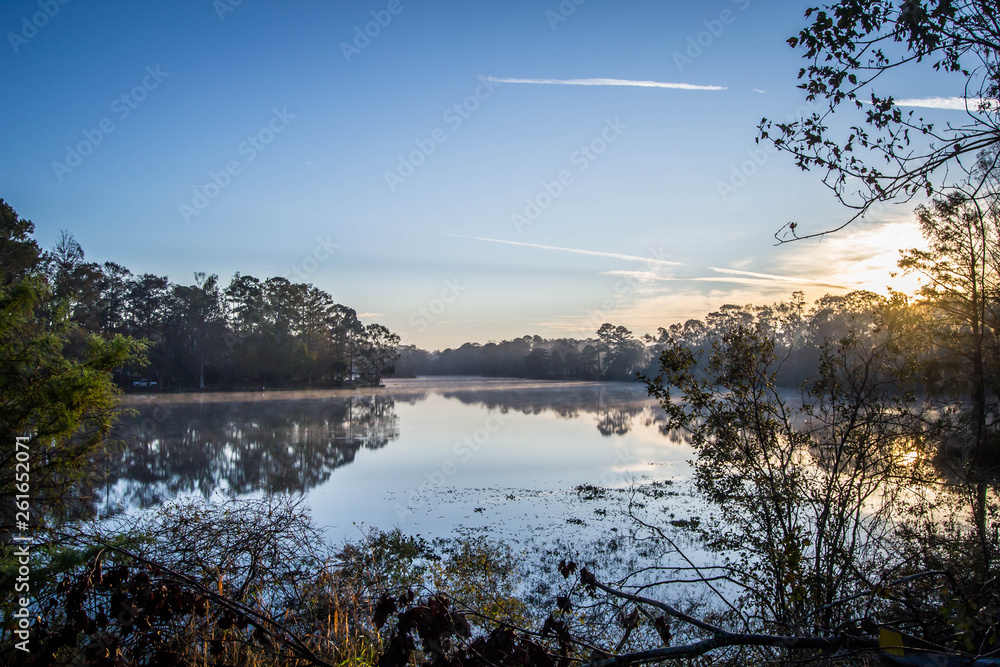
431,456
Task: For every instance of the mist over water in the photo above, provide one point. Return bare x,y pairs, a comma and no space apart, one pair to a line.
436,456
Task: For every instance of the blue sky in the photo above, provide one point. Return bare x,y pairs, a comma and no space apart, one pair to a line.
399,169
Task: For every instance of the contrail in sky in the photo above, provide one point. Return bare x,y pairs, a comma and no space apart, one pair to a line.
606,82
628,258
769,276
950,103
662,262
956,103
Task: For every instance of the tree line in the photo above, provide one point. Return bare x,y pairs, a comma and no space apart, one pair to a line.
249,333
615,354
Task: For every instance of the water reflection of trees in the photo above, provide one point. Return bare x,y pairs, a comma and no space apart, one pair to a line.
287,446
292,444
616,422
615,405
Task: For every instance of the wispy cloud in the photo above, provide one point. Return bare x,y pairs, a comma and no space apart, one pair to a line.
491,319
771,276
606,82
737,276
613,255
638,275
371,315
740,280
952,103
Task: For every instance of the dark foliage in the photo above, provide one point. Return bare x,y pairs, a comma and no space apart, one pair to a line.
252,333
850,48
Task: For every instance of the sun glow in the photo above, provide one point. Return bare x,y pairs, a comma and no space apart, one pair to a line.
880,274
879,271
866,257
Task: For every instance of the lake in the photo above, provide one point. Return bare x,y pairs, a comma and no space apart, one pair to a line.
437,457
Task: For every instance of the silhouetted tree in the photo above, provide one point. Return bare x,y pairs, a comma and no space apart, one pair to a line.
886,153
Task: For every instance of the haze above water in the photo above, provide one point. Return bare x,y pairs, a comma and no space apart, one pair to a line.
436,457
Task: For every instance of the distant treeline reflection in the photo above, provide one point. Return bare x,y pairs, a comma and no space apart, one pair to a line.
292,443
276,446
